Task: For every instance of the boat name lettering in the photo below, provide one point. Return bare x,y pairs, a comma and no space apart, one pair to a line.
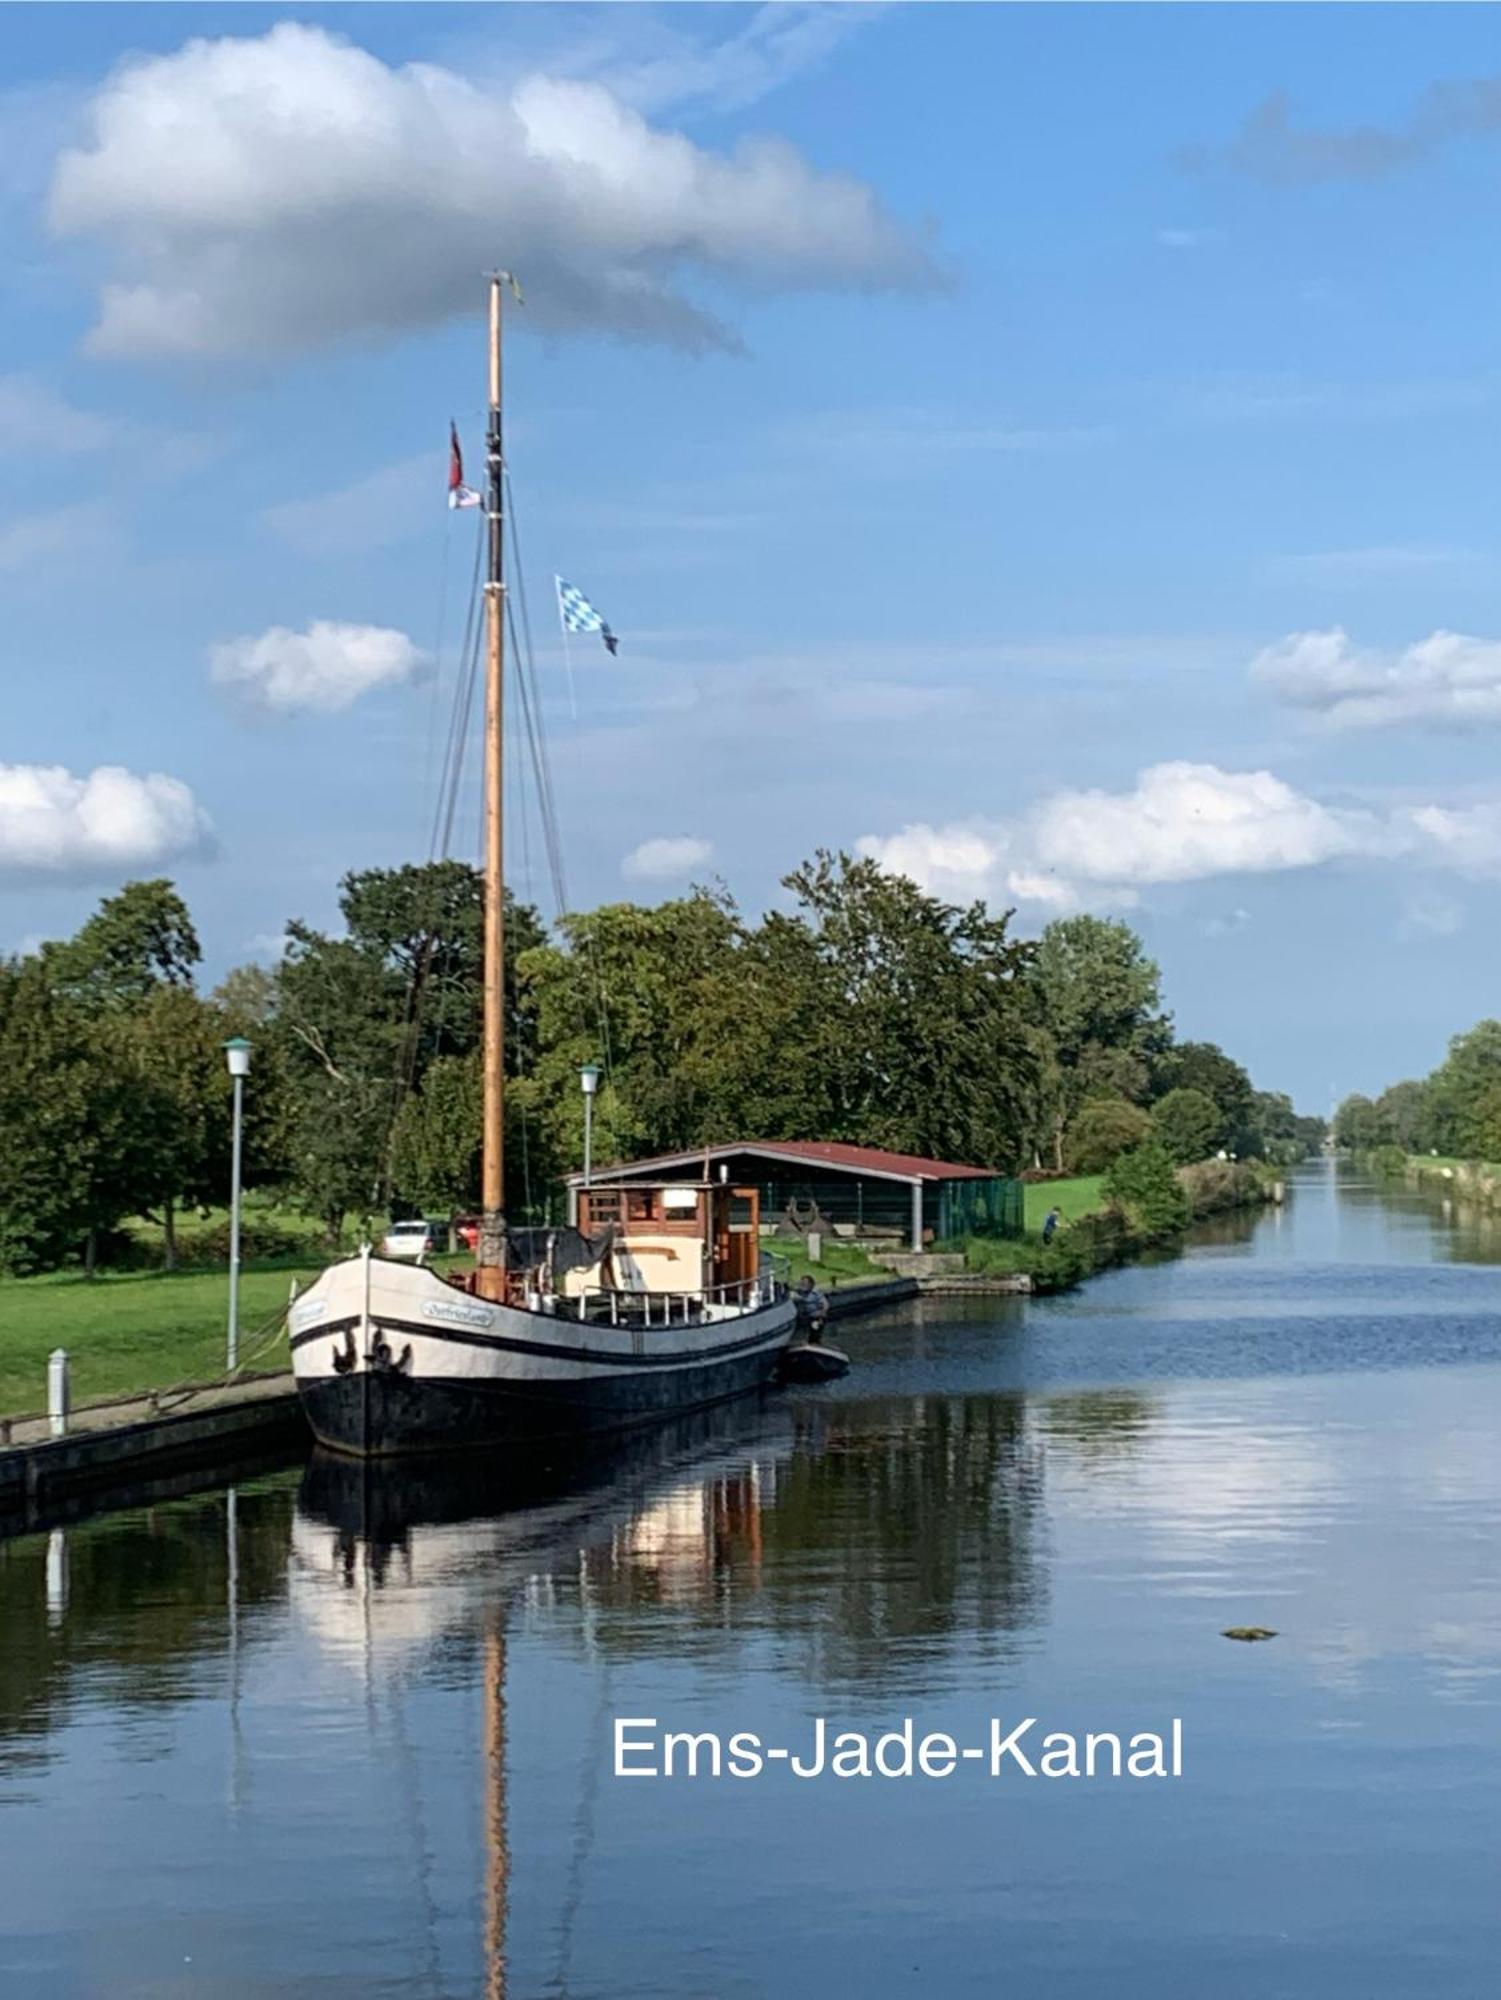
459,1314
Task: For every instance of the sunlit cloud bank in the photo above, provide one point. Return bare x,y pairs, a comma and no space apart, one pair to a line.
1446,679
323,669
666,858
55,823
1179,823
286,192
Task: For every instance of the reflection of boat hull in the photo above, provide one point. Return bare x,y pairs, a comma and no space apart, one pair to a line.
389,1359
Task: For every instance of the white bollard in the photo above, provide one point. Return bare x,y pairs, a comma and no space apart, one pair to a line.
815,1247
57,1391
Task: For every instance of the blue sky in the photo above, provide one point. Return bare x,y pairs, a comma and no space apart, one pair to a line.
1048,446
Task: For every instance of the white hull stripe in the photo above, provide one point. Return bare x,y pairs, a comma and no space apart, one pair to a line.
547,1349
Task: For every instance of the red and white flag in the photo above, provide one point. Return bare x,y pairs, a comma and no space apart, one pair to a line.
459,495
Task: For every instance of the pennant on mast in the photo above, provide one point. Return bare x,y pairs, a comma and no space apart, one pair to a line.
459,495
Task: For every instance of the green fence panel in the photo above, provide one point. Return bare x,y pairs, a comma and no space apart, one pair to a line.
991,1207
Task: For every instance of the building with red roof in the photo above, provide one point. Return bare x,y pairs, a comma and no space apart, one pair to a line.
857,1191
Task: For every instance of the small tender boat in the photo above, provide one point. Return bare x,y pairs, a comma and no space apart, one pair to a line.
814,1361
660,1301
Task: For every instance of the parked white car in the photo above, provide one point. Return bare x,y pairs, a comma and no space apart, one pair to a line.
418,1238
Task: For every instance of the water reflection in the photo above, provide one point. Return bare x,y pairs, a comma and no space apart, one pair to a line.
348,1732
890,1528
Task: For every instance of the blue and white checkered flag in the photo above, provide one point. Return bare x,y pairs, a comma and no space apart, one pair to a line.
579,615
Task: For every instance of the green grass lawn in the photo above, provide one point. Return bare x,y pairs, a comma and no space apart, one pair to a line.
841,1263
1075,1198
127,1332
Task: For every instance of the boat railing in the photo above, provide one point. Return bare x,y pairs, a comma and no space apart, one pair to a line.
636,1308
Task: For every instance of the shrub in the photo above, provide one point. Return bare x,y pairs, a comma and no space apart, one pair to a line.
1101,1131
1389,1162
1144,1186
260,1241
1215,1185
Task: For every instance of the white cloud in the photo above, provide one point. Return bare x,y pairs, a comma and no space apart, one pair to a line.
325,668
55,823
1180,823
1445,678
1467,838
1188,239
286,192
667,858
1185,821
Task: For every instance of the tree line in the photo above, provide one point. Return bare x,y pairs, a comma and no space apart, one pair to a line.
866,1010
1455,1110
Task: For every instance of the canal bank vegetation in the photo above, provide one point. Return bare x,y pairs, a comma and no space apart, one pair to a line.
1442,1130
1145,1202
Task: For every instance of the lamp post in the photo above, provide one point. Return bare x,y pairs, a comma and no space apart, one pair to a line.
237,1055
589,1084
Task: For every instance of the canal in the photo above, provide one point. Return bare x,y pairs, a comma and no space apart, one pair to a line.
331,1735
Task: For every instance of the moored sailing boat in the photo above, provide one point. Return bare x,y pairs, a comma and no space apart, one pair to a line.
660,1301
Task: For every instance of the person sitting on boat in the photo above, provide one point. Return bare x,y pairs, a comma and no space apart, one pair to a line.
812,1306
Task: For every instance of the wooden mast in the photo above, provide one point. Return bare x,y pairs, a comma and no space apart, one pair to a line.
490,1276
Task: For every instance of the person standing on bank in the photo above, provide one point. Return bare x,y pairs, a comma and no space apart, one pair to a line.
1050,1224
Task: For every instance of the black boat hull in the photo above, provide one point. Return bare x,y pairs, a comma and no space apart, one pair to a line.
387,1414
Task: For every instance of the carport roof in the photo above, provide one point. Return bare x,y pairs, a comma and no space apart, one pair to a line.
834,1153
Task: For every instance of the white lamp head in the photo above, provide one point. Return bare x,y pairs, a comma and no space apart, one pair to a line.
237,1055
589,1078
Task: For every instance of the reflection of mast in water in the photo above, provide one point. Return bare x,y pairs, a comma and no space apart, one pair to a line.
497,1852
411,1555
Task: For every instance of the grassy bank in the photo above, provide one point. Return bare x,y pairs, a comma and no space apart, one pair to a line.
127,1332
1096,1235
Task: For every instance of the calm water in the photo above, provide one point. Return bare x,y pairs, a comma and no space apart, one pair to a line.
336,1738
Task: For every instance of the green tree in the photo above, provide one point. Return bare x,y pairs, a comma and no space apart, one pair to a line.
1098,999
78,1120
359,1020
1187,1122
135,941
1144,1184
1359,1126
1101,1131
46,1079
435,1150
930,1052
176,1046
1459,1087
1204,1066
1406,1112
